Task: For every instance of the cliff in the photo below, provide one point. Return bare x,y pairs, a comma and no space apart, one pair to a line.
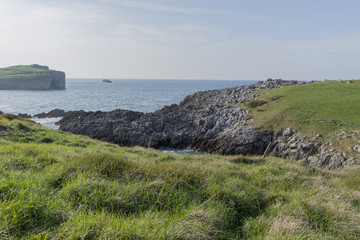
31,77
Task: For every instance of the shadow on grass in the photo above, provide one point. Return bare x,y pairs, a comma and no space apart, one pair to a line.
244,160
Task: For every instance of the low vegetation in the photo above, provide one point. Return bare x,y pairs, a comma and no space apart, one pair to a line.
55,185
22,71
256,103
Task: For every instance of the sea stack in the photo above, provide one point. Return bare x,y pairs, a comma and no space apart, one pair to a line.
31,77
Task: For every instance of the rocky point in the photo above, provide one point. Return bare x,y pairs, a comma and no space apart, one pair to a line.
204,121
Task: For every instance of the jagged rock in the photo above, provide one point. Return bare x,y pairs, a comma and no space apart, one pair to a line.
317,137
329,143
24,115
287,132
52,114
204,121
356,148
336,161
348,136
351,162
326,160
342,133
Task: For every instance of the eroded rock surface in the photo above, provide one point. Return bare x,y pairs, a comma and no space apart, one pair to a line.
52,114
287,143
204,121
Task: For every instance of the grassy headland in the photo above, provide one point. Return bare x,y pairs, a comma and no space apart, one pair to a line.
23,71
31,77
55,185
326,108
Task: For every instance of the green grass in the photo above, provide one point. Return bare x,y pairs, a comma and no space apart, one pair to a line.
22,71
55,185
319,108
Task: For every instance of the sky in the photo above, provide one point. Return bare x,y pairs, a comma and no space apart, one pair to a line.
184,39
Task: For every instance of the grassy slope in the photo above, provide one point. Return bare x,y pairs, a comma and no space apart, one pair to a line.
22,71
54,185
319,108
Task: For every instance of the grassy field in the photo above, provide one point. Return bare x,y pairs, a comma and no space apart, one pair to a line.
22,71
55,185
320,108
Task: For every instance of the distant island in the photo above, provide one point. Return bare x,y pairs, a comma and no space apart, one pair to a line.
106,81
31,77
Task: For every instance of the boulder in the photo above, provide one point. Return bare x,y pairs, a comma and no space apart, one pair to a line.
52,114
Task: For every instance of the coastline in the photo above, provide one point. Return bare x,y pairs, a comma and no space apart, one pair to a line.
206,121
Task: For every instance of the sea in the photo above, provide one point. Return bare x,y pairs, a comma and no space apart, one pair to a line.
144,95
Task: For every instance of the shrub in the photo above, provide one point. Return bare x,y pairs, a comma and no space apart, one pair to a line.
22,126
256,103
46,140
9,116
276,97
29,120
3,119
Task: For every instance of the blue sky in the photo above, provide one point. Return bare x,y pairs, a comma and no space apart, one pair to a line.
185,39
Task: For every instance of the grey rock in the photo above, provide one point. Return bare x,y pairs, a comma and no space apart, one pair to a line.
335,162
356,148
348,136
317,137
52,114
24,115
288,132
329,143
325,160
203,121
351,162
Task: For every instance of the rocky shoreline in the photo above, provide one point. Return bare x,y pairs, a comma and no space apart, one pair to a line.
204,121
207,122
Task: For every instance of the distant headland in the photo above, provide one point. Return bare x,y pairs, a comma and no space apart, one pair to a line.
31,77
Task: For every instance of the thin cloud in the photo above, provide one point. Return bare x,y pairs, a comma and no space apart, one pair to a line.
184,10
161,8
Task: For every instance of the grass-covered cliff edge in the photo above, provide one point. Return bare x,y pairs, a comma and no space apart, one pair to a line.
317,108
324,116
31,77
55,185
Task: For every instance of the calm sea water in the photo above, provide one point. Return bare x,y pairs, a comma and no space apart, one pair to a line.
93,94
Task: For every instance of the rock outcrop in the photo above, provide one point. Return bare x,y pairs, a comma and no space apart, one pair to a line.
287,143
52,114
33,77
204,121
